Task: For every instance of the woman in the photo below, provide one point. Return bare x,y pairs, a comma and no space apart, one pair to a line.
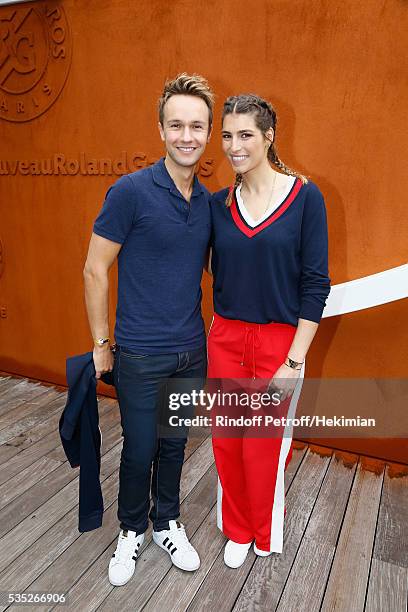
269,262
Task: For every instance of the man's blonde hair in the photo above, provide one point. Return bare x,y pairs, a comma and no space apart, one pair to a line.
188,85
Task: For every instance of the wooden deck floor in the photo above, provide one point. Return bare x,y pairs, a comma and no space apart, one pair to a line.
346,543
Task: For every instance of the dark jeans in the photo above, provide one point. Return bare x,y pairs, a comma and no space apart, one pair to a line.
138,380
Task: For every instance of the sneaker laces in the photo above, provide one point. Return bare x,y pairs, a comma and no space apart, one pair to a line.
184,543
126,548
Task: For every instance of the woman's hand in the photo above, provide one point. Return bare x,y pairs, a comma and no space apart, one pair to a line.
284,381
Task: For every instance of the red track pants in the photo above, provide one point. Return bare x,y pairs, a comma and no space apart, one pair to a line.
251,492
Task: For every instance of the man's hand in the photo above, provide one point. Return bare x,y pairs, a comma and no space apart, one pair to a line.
103,360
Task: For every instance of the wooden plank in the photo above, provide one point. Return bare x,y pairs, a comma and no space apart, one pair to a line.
312,565
154,563
28,407
17,383
177,589
39,433
329,509
31,453
391,538
29,437
347,584
40,414
299,455
25,479
196,466
222,585
16,541
86,548
48,549
196,441
5,383
69,493
64,570
387,587
193,444
305,585
25,439
94,581
29,503
67,567
267,577
43,434
19,393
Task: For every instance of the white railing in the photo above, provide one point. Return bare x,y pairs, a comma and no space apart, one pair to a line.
5,2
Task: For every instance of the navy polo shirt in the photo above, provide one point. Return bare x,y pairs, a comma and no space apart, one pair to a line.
164,242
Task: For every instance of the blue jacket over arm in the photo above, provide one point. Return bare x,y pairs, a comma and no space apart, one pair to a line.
81,437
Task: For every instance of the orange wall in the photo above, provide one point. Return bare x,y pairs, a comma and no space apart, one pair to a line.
332,69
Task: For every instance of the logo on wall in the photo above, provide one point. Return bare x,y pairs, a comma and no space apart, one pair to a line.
35,57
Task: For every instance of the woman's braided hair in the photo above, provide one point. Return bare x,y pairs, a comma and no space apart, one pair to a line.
265,118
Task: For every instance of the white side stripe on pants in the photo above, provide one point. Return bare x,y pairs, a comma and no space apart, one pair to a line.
278,509
219,505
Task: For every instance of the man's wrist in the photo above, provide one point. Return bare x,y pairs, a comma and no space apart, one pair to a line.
102,342
99,350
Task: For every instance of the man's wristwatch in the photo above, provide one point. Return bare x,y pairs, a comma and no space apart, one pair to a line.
101,341
295,365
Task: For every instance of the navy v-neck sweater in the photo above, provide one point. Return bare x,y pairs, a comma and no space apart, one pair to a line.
276,271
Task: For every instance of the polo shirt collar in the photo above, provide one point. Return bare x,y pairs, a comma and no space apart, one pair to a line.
162,177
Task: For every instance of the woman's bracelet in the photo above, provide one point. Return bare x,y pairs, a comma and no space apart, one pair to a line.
294,365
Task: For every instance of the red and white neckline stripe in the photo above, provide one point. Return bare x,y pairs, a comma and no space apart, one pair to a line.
249,231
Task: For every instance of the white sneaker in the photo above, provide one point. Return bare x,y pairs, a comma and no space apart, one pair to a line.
122,564
175,542
261,553
235,554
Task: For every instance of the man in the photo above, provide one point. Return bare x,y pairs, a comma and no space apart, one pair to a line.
157,223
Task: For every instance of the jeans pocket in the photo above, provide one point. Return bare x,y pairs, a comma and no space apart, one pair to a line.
133,355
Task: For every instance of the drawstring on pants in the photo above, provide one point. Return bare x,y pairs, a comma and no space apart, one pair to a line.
252,337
